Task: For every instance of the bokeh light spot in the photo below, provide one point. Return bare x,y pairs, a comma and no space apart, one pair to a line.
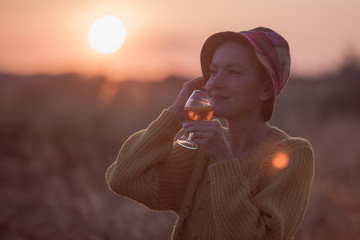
280,160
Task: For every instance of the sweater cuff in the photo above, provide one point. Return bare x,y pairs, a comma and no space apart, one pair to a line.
166,123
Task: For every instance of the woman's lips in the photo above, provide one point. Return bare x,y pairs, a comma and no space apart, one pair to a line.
219,98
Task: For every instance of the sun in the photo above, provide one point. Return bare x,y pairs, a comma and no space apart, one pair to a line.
107,34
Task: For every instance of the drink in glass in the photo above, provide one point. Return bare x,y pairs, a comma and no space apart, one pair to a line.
198,107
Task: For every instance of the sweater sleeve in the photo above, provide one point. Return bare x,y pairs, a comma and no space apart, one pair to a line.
276,208
149,169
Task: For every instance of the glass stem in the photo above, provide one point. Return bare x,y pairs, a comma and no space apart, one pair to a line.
190,136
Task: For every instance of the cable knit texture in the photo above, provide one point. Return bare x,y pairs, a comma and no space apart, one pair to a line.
247,198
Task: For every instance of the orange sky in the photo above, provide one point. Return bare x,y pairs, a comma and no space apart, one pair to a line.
165,37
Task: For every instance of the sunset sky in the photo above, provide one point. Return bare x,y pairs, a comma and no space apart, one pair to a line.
165,37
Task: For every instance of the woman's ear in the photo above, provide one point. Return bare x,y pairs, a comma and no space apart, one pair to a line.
267,91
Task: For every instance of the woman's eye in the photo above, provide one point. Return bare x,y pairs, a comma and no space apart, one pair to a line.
234,72
213,71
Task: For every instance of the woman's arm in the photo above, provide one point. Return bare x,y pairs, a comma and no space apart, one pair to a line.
274,211
148,169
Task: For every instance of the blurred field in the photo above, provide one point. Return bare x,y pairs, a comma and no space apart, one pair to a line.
58,134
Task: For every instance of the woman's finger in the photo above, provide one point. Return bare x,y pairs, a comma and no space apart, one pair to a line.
201,126
199,134
196,83
194,129
177,108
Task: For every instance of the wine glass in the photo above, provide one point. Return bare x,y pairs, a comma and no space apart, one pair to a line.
198,107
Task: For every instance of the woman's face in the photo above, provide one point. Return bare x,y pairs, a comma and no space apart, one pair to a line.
236,83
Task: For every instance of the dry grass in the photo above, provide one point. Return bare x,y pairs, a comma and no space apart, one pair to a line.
59,134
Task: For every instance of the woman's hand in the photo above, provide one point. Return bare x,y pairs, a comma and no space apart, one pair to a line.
211,137
177,107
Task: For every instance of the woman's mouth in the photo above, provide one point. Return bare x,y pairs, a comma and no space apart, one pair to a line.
218,98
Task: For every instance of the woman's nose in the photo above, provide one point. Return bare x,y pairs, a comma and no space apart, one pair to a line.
215,82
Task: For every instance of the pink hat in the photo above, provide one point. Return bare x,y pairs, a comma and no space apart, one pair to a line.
271,49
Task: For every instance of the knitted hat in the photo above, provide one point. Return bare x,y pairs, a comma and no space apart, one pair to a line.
271,49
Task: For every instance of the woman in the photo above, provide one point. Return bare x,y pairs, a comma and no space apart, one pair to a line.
249,182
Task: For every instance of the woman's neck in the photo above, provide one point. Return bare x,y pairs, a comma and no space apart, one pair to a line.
246,134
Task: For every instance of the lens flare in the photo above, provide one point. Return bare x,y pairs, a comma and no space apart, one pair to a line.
280,160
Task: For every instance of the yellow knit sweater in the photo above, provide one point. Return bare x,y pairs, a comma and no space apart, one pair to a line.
247,198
